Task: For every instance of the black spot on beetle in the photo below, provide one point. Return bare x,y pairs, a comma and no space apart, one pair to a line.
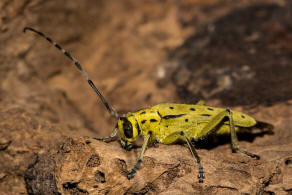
143,121
205,115
144,112
153,120
210,109
138,128
187,120
171,107
172,116
166,126
242,116
192,109
159,114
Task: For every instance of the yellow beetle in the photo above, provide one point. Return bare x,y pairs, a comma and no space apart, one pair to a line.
170,123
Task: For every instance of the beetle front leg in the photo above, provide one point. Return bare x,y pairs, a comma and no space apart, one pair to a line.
139,161
108,138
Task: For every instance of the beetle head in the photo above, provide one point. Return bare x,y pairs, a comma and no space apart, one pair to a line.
129,130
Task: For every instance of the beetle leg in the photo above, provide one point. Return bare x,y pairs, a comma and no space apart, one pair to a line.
196,157
234,140
139,161
201,103
211,127
108,138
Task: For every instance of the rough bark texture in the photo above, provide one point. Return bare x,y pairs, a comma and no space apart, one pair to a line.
235,54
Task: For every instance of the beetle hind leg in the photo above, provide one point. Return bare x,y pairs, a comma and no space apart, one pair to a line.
211,127
235,147
234,139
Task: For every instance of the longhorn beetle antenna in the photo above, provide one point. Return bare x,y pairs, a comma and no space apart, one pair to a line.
78,65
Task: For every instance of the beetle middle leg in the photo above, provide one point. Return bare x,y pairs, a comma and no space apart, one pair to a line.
211,127
196,157
201,103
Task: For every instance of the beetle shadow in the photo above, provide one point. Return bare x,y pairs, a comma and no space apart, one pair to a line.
248,134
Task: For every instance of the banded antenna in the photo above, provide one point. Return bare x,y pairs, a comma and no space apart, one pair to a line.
78,65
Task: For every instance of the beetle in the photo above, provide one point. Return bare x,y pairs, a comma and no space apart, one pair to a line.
169,123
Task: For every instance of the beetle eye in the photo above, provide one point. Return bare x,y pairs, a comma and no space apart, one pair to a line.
128,129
